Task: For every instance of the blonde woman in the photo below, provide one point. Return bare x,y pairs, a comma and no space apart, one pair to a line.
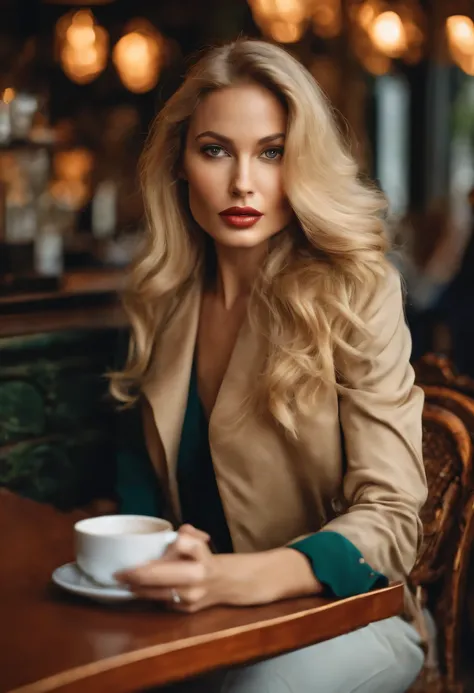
269,360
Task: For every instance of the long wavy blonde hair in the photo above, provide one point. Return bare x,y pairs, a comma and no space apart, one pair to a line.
306,300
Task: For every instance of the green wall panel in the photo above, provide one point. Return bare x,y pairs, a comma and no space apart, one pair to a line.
57,423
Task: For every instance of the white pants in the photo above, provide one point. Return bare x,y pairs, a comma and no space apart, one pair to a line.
383,657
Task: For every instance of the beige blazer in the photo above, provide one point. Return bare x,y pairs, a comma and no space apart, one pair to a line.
357,468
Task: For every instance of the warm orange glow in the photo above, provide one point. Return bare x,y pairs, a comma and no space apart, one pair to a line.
72,170
460,30
73,164
366,15
138,57
376,64
284,32
80,37
8,95
70,193
293,11
283,20
388,34
327,20
83,46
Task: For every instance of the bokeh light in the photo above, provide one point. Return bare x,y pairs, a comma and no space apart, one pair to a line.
388,34
139,55
82,46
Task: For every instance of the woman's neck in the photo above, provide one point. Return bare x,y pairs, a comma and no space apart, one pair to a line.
237,269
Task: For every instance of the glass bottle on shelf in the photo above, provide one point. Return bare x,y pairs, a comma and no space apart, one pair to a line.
24,174
20,229
5,121
104,209
22,111
3,261
49,241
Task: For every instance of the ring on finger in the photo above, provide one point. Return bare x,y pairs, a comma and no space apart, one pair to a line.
175,596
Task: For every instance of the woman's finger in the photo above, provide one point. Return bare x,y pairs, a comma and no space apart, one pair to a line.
187,547
186,595
191,547
194,532
158,574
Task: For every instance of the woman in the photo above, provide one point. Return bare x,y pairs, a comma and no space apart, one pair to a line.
270,359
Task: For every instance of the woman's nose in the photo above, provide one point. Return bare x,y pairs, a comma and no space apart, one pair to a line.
241,183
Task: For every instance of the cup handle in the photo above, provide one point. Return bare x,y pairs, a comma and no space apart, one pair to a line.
171,538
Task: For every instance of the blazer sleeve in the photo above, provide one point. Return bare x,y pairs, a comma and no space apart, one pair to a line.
381,419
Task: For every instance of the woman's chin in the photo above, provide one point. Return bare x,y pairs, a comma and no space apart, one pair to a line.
241,238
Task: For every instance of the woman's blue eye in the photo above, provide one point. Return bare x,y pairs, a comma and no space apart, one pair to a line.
213,150
273,153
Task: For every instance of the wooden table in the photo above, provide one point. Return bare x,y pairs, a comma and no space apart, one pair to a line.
52,641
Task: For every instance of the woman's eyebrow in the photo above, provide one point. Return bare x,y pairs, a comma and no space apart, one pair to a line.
223,138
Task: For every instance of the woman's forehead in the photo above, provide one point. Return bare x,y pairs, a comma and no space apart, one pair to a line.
245,110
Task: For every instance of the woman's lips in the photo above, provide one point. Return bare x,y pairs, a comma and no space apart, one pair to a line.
241,217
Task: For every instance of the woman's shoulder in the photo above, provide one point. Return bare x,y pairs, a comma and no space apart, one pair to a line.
379,309
390,286
381,294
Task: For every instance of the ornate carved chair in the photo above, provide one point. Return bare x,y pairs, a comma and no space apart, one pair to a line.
441,569
437,369
454,401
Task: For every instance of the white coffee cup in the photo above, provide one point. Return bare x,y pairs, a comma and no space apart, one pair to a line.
110,543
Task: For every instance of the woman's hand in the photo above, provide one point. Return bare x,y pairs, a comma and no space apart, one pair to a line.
190,572
187,570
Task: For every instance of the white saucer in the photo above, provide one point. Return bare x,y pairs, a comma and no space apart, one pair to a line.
72,579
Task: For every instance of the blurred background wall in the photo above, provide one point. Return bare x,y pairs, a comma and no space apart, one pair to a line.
79,86
80,83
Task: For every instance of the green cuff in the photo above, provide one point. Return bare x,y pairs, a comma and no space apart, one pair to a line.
339,565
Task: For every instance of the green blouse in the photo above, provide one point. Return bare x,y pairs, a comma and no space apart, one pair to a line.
336,562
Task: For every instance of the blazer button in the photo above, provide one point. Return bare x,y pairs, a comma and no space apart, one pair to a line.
336,505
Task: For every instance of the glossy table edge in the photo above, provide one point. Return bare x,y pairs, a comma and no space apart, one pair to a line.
164,663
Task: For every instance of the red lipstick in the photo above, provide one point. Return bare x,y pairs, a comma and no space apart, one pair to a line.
241,217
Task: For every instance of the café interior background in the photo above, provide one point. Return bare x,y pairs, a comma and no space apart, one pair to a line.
79,86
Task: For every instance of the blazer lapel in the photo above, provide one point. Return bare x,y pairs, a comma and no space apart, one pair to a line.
239,380
167,386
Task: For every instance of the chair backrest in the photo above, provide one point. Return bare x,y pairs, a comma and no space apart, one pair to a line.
436,369
461,406
447,451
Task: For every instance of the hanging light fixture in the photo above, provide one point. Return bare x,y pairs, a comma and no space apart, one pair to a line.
388,34
139,56
326,16
460,30
460,35
381,31
282,20
81,46
365,14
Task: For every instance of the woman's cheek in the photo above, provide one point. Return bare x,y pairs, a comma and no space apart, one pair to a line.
206,187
